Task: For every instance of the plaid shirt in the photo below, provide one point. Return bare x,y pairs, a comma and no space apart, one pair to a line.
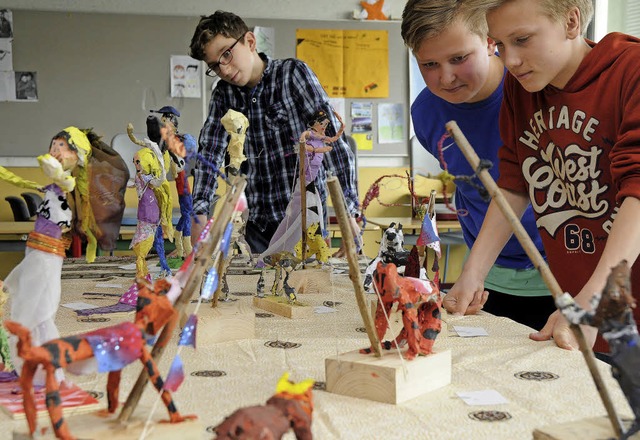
277,108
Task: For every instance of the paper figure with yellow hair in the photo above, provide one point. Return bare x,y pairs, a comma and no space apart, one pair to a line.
34,284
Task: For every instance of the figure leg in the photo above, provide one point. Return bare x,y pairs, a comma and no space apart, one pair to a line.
410,322
177,239
28,400
113,390
141,250
158,244
54,405
158,383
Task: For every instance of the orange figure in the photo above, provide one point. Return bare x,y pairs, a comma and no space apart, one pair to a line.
290,407
113,347
374,10
418,300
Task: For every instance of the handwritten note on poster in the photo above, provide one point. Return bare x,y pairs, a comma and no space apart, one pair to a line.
348,63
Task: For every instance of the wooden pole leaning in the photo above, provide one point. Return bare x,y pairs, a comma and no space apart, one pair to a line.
303,201
340,206
202,259
538,261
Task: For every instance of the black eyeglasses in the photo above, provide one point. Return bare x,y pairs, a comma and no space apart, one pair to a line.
225,59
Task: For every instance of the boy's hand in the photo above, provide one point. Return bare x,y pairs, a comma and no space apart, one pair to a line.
466,297
558,329
355,230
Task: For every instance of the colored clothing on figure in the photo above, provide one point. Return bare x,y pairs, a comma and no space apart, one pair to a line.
277,109
576,153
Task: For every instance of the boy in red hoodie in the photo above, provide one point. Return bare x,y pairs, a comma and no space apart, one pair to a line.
570,122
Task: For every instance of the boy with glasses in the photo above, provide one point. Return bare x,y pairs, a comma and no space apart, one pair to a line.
278,97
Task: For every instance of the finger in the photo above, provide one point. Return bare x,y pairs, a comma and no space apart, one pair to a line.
454,304
547,331
479,298
563,337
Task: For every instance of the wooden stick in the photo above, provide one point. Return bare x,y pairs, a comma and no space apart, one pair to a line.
538,261
303,202
201,260
340,206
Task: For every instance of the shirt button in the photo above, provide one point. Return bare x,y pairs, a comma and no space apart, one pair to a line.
254,100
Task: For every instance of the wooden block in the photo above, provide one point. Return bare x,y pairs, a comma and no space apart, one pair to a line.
280,306
93,426
316,280
586,429
229,321
383,379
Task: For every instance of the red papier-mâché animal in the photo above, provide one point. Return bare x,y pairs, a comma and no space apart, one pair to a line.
113,347
419,302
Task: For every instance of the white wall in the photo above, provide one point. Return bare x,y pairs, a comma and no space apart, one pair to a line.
265,9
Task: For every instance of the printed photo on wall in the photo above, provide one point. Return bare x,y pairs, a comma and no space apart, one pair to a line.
26,86
185,77
6,23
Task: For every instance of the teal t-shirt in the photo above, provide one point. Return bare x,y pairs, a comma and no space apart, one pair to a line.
518,282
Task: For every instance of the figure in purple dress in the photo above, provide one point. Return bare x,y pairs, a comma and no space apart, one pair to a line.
317,143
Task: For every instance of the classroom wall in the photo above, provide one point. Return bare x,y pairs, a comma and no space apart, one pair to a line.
105,70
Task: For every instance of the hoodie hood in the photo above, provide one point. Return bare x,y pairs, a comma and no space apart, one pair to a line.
614,48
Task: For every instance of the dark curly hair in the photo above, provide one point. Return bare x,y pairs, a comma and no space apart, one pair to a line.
222,23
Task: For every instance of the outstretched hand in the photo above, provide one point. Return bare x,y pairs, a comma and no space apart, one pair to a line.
558,329
466,297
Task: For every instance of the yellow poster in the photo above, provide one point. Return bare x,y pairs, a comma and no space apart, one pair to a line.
348,63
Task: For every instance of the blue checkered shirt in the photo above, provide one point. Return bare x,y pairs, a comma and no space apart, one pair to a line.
277,109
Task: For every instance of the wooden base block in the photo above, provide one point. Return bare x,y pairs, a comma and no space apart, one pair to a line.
383,379
586,429
316,280
228,321
280,306
93,426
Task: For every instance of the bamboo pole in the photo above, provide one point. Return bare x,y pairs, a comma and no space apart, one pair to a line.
202,259
538,261
340,207
303,201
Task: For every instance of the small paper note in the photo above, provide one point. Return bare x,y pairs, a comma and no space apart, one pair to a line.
483,397
323,309
78,306
109,285
469,332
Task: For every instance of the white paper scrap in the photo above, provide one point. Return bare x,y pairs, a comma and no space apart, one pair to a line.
483,397
79,306
323,309
469,332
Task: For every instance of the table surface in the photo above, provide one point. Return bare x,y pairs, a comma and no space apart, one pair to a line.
252,367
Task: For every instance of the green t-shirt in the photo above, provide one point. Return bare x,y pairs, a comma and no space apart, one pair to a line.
518,282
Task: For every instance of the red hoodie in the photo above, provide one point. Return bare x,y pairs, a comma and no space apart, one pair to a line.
576,153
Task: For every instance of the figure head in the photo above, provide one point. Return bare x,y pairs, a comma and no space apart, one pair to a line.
449,40
319,121
540,41
70,147
26,77
225,43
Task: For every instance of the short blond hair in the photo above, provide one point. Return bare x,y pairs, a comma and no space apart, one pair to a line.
555,9
422,19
